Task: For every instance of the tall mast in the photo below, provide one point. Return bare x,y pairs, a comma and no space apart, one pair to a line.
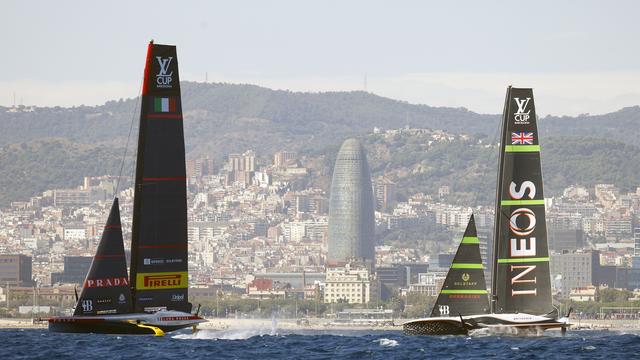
498,213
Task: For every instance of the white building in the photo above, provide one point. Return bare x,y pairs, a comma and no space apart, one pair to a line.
75,233
353,286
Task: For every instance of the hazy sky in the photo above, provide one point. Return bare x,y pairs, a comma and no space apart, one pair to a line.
579,56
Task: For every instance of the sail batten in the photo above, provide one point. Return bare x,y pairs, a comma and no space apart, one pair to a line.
521,280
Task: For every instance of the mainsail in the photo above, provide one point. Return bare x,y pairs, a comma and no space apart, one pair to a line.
521,280
106,287
159,277
464,291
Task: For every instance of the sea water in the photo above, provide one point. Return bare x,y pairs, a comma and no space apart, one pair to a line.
307,344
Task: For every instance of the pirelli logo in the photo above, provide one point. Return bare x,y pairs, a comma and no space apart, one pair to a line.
163,280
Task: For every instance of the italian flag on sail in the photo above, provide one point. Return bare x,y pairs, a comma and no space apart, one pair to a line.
165,104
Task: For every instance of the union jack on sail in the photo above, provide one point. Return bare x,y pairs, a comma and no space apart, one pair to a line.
521,138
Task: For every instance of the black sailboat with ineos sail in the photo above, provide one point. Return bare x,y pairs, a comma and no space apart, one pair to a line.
521,298
154,297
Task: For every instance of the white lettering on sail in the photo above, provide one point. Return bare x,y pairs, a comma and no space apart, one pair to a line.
444,309
519,194
163,78
520,116
517,229
518,279
523,248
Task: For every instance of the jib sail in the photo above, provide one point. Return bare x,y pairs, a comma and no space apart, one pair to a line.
106,287
464,291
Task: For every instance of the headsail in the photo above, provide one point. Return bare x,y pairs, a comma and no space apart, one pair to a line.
106,287
159,263
521,279
464,291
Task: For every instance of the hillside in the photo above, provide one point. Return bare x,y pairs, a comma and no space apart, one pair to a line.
467,166
224,118
27,169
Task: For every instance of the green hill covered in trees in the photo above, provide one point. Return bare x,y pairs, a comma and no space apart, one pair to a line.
54,147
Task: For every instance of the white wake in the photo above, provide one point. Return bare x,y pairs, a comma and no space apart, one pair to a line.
231,333
387,342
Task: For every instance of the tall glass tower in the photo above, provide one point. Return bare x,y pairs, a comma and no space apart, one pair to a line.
351,207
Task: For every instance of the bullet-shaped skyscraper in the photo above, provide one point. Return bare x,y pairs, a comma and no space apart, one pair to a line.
351,207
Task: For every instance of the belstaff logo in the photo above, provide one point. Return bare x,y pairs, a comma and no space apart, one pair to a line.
164,77
466,277
521,116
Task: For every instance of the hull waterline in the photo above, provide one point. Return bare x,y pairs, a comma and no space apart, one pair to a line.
126,324
516,324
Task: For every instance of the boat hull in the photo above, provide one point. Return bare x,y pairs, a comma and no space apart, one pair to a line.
516,324
125,324
436,326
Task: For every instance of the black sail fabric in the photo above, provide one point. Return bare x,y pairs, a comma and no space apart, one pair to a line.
521,278
159,263
464,291
106,287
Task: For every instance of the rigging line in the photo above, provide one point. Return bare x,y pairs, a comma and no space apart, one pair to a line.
133,117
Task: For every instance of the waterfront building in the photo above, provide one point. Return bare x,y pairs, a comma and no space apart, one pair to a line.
351,285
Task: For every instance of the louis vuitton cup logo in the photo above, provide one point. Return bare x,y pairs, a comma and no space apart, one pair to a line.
164,77
522,115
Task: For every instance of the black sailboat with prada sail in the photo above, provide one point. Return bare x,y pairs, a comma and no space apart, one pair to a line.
153,299
521,283
464,291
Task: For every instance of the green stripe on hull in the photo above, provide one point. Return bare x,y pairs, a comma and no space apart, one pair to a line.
521,202
523,260
466,266
522,148
470,240
445,291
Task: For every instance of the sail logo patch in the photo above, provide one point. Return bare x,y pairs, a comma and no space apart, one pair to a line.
465,281
521,116
164,77
164,104
164,280
87,305
106,282
521,138
443,309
